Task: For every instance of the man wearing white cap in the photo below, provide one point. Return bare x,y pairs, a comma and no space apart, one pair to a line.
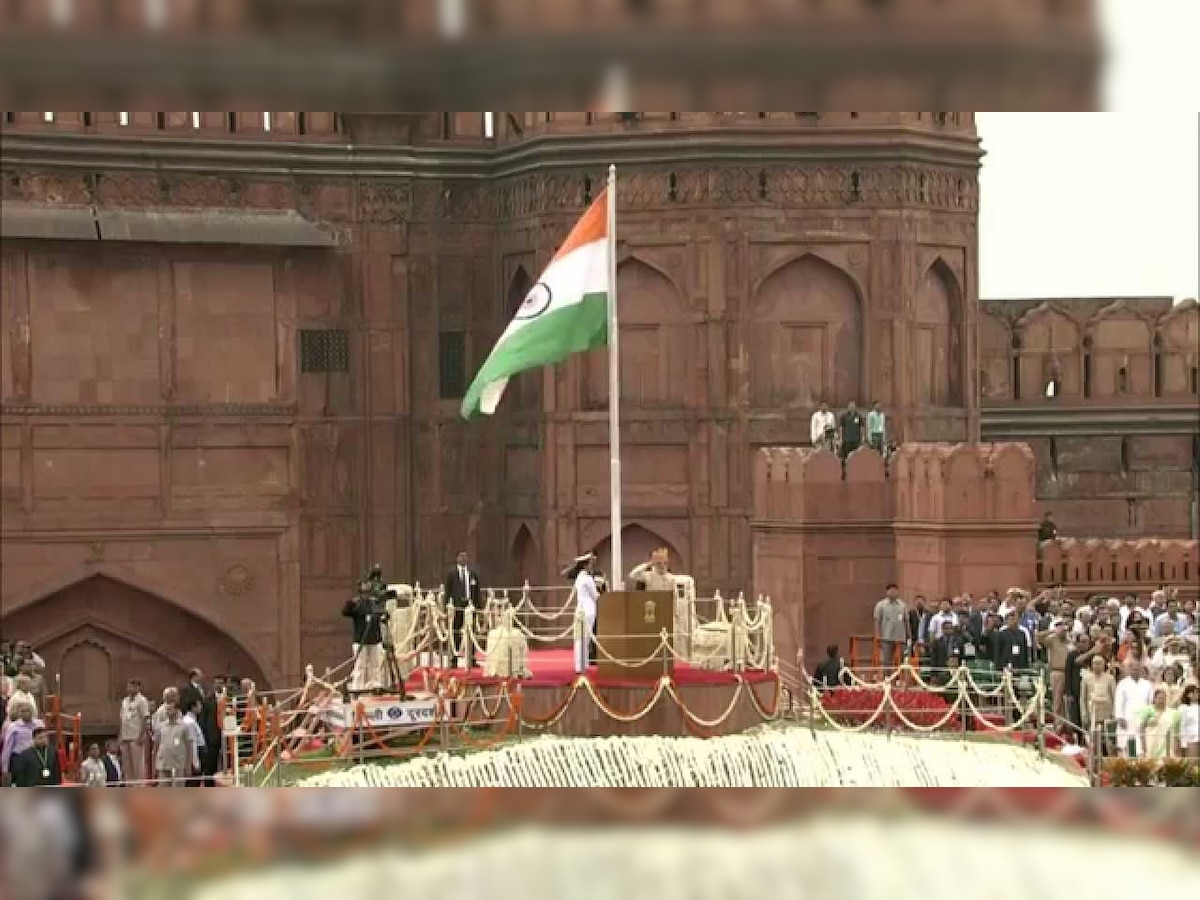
586,596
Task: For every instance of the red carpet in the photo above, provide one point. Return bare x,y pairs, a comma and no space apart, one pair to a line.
556,668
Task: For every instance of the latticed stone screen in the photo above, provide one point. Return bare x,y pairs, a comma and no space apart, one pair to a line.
324,350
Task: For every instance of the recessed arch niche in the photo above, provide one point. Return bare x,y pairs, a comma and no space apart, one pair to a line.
99,632
806,337
654,343
938,338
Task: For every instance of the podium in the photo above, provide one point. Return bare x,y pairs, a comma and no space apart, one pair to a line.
629,625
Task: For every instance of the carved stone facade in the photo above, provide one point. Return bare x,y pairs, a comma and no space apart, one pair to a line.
162,431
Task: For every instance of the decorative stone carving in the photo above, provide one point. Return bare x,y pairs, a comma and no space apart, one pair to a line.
204,191
127,189
237,580
10,186
319,199
251,410
384,203
70,190
815,186
270,195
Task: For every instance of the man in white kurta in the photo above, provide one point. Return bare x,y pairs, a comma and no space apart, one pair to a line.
1134,694
823,428
586,597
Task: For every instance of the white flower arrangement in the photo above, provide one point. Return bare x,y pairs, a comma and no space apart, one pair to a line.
851,857
769,757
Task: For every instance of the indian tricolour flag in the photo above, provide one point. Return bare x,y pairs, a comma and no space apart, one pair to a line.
566,312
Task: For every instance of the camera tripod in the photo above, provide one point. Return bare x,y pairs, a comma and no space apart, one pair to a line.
393,677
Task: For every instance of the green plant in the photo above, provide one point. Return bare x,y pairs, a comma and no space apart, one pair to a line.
1153,773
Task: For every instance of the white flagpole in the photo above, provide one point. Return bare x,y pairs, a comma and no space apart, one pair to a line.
616,576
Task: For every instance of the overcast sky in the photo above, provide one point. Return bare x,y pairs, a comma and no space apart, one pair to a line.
1102,204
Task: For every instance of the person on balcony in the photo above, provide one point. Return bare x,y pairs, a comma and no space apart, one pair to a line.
1047,530
852,425
823,428
877,429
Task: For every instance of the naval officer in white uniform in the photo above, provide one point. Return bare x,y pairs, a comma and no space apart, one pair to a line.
586,597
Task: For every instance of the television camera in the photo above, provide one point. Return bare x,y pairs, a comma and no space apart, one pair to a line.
371,603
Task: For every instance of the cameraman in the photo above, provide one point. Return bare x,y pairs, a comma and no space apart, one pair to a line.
368,611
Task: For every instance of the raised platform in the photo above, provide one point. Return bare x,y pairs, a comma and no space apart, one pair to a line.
694,702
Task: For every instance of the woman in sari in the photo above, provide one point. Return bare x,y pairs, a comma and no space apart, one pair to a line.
1159,725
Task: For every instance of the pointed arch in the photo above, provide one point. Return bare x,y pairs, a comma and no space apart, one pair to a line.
1121,352
87,673
637,543
1051,351
938,338
806,336
523,556
654,341
164,600
525,389
1180,330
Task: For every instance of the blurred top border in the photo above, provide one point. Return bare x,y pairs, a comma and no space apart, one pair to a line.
462,54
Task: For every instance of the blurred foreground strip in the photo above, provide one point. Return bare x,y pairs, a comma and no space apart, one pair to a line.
168,844
851,858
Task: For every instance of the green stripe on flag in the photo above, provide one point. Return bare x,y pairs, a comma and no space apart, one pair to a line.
545,341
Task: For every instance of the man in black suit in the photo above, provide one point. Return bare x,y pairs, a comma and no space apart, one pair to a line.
37,766
112,763
193,691
461,591
1012,646
210,727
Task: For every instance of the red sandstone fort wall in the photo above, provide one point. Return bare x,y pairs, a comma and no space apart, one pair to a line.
1116,568
1116,441
938,520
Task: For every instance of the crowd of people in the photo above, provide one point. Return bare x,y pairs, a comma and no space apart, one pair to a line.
176,742
1122,672
26,754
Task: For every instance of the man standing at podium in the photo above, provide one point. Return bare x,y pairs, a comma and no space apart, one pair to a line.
586,597
653,575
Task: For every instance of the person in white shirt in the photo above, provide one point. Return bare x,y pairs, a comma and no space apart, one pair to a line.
92,772
1083,622
1171,621
586,598
823,428
1189,722
1134,694
134,732
21,696
945,613
195,741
